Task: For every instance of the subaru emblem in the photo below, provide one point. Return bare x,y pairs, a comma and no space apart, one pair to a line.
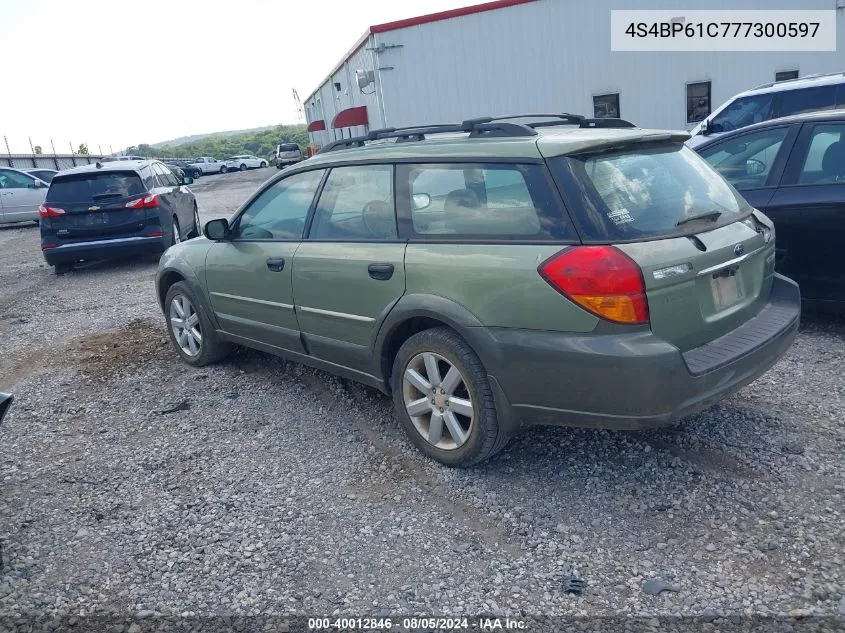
739,249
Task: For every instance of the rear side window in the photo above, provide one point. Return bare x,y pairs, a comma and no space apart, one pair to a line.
95,186
825,161
644,192
356,204
807,100
482,200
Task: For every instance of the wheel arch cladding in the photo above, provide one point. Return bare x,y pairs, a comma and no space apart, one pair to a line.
415,313
167,279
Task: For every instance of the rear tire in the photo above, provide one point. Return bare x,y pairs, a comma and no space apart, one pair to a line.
263,164
197,229
63,269
477,437
224,169
175,236
209,348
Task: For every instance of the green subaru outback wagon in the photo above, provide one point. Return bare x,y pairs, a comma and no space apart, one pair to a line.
495,274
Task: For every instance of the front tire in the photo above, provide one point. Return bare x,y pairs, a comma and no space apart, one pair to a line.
263,164
190,329
443,399
242,167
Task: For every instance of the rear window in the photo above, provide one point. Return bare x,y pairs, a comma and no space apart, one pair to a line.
288,147
95,186
486,201
644,193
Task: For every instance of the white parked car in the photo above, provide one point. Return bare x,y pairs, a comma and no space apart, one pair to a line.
244,162
772,101
20,195
209,165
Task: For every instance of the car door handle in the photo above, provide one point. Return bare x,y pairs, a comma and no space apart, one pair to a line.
276,264
382,272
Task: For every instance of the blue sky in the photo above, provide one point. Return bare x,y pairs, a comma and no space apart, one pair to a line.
117,72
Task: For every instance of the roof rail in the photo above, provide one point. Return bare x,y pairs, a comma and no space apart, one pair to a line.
481,127
786,81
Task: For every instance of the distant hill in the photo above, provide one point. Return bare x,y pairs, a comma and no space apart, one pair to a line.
198,137
259,141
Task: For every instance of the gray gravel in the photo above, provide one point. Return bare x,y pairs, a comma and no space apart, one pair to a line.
133,484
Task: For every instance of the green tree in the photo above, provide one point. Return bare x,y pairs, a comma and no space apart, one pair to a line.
83,149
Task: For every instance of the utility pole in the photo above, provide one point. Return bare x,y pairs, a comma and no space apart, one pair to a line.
100,147
111,151
53,146
71,147
30,145
8,151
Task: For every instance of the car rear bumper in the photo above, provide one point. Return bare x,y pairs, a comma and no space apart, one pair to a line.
105,249
634,380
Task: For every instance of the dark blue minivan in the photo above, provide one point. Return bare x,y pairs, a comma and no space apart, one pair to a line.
115,209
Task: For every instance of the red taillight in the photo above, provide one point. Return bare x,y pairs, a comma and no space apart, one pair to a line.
601,279
47,245
154,234
144,202
50,212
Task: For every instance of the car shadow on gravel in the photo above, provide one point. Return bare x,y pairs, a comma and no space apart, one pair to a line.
105,266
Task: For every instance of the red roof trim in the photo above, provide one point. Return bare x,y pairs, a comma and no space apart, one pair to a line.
446,15
316,126
422,19
351,117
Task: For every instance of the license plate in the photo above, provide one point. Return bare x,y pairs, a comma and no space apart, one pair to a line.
96,219
727,290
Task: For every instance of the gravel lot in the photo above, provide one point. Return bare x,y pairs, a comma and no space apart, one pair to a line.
134,483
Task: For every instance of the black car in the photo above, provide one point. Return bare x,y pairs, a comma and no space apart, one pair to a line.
793,170
115,209
187,169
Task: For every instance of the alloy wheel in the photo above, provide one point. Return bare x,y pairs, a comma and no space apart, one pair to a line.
438,400
185,324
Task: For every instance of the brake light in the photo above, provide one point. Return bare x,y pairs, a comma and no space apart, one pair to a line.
144,202
602,280
50,212
47,245
154,234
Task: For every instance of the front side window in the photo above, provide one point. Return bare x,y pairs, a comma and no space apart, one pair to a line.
742,112
746,161
495,201
825,161
645,192
279,212
606,106
698,101
807,100
356,204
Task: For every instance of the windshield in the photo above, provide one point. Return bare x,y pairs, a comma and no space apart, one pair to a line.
743,111
645,192
95,186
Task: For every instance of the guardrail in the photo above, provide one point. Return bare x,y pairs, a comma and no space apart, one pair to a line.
47,161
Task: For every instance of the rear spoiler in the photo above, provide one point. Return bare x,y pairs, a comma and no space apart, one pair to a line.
616,143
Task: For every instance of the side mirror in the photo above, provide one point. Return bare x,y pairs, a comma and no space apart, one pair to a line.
217,230
5,403
187,180
421,201
37,184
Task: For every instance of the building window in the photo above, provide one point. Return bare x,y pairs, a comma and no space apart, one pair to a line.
698,101
786,74
606,106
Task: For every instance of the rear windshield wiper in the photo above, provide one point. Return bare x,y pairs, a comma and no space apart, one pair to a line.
710,215
102,196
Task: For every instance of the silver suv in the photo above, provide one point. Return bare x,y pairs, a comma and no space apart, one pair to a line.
287,154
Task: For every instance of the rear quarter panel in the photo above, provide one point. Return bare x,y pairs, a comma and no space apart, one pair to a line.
498,283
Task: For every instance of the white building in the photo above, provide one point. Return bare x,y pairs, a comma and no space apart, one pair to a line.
521,56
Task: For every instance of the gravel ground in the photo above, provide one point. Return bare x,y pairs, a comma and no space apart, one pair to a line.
132,483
